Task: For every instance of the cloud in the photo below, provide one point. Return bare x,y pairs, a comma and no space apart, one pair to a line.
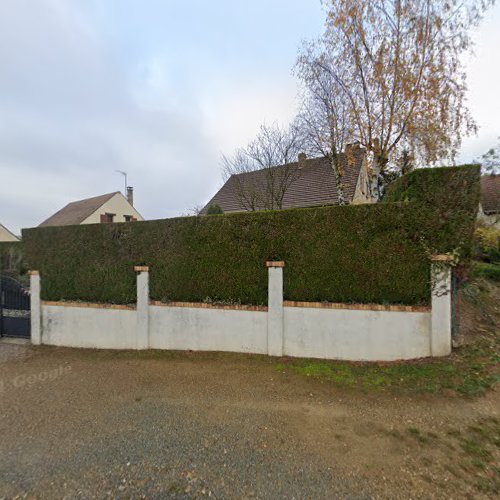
158,89
73,112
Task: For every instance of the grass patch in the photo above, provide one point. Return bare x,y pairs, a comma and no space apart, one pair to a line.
458,373
479,445
414,432
470,371
474,460
476,449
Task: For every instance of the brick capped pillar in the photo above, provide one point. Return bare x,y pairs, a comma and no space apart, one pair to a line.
275,319
36,308
441,320
142,326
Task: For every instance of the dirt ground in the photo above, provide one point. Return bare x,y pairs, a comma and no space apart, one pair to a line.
88,424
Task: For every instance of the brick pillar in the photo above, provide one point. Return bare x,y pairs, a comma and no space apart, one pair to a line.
275,317
36,308
142,326
441,305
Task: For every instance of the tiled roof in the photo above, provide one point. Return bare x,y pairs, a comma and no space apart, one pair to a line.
314,184
76,212
490,194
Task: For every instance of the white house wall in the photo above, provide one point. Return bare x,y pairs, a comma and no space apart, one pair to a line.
117,205
6,235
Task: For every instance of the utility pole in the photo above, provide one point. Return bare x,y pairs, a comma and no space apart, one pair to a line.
124,175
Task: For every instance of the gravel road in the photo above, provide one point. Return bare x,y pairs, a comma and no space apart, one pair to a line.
86,424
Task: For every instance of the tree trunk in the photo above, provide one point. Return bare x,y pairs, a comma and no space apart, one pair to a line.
378,162
339,181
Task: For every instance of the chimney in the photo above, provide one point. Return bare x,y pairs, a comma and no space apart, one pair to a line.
130,195
302,160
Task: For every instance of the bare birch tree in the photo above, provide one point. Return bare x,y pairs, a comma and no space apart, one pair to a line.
323,119
398,64
274,146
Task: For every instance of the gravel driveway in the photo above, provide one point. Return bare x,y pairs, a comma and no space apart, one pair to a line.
86,424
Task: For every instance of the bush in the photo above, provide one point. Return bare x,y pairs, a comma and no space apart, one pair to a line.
215,210
453,192
365,254
486,270
12,259
487,244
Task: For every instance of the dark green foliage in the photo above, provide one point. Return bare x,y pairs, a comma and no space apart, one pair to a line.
454,193
487,244
12,261
215,210
364,254
486,270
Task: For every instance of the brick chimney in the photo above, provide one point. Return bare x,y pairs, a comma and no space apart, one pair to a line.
302,160
352,148
130,195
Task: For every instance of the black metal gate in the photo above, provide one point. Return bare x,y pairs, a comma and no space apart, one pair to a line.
14,309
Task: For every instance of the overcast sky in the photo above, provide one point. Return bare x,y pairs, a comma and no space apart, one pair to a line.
158,88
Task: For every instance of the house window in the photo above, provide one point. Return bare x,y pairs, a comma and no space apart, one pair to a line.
105,218
128,218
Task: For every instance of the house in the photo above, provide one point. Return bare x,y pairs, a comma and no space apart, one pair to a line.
6,235
489,208
309,183
112,207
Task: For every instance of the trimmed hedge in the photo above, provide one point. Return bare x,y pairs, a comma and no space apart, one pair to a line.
364,254
454,192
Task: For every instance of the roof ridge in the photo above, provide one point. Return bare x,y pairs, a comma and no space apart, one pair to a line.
75,212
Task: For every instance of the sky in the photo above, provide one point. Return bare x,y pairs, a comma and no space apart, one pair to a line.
159,89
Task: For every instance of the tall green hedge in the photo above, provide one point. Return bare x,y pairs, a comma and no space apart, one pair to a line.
453,192
365,254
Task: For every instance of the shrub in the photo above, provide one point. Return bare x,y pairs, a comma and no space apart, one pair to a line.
12,259
215,210
453,192
487,244
365,253
486,270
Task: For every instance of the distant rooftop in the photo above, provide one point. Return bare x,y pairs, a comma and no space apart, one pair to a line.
314,184
490,194
76,212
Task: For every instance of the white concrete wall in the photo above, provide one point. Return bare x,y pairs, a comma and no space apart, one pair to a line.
298,329
88,327
307,332
35,308
441,306
118,205
200,329
356,335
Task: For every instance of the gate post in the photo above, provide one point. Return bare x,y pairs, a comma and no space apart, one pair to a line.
36,308
441,321
275,317
142,326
